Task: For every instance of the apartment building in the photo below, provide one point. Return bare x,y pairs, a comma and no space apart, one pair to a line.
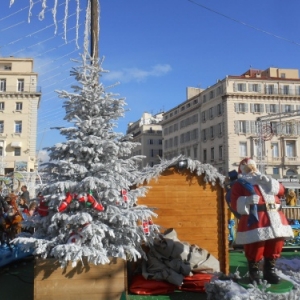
250,115
148,133
19,101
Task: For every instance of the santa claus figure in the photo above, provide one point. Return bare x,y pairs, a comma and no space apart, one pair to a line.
262,227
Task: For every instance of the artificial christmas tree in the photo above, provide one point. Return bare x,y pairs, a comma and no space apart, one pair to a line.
92,208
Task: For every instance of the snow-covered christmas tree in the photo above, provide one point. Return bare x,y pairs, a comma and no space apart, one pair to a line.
89,205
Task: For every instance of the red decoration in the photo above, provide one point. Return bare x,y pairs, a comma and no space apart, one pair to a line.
66,202
146,227
124,194
43,207
96,205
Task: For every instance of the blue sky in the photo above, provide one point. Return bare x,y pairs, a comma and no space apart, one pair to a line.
155,49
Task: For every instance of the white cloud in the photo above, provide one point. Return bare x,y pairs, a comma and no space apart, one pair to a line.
43,156
135,74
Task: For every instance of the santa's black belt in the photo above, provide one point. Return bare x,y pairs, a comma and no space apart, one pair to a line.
267,207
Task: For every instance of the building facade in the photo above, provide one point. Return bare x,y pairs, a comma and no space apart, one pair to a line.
148,133
251,115
19,102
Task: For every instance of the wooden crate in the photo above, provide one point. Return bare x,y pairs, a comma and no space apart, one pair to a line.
83,282
195,209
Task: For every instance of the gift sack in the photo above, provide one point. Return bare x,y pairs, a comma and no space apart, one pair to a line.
195,283
142,286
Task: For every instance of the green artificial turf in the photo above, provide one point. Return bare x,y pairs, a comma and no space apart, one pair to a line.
237,262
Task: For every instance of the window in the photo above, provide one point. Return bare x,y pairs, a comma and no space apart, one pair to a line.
211,94
289,128
287,108
282,75
19,105
219,109
243,149
17,151
182,138
257,108
204,98
285,90
274,126
2,85
241,87
195,151
7,67
220,129
1,126
255,87
187,136
204,134
211,113
2,105
1,151
188,152
20,85
220,152
273,108
18,126
276,171
212,154
241,107
270,89
242,127
275,150
204,155
166,144
194,134
203,116
151,142
160,152
159,142
175,126
176,141
290,148
211,132
219,90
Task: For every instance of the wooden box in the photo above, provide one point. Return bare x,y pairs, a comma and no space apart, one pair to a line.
195,209
83,282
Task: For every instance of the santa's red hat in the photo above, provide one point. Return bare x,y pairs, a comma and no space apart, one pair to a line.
245,162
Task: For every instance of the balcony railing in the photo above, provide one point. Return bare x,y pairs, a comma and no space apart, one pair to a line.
25,89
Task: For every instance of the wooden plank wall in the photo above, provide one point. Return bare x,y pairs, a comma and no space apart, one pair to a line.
102,282
196,210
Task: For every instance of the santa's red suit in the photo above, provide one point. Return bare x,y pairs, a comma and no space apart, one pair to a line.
264,238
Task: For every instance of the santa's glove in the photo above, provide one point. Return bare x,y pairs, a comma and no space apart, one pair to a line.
264,179
253,199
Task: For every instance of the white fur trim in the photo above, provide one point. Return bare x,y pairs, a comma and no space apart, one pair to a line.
263,234
251,162
242,207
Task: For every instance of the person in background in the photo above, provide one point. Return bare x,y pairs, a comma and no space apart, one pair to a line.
291,198
32,209
23,205
263,227
25,193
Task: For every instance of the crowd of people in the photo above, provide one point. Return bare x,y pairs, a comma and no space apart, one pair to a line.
15,208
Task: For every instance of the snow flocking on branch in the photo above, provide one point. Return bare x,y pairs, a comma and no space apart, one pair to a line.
91,199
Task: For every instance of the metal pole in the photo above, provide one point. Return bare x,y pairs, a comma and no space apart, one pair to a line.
95,11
